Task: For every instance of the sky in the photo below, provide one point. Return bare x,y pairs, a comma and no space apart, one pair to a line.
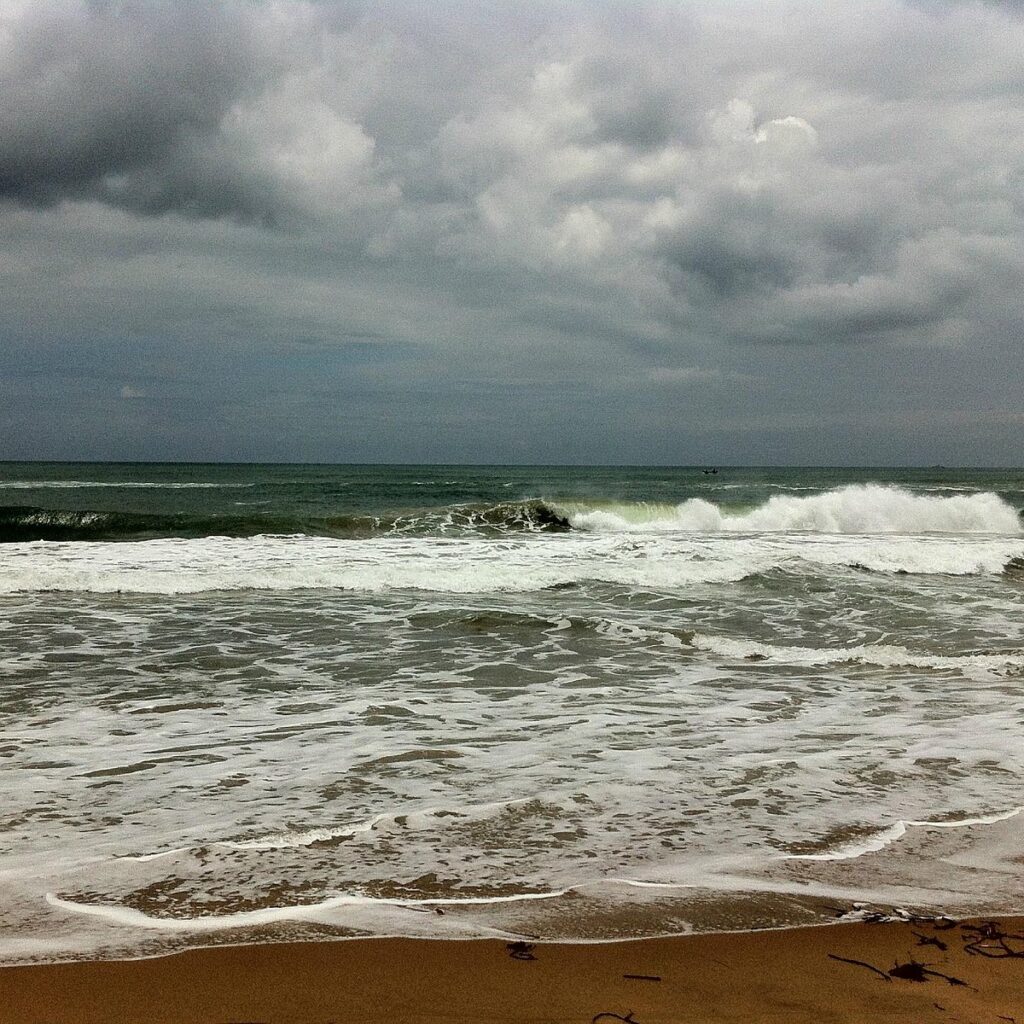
532,232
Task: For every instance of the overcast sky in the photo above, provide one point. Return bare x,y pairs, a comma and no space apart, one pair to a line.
513,231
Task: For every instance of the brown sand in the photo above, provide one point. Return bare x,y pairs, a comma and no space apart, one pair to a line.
785,976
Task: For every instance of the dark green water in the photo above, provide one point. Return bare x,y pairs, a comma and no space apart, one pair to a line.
109,501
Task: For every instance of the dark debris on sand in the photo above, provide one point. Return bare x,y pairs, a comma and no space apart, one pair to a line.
988,939
521,950
985,939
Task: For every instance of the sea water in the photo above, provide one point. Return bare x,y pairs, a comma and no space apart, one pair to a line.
244,703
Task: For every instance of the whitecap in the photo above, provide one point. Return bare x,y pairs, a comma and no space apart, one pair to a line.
855,509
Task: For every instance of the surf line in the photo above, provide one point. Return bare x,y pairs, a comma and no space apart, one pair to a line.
886,837
269,915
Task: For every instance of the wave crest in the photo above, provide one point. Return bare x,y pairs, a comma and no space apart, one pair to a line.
859,509
855,509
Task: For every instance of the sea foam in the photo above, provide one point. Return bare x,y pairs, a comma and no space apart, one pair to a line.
885,529
856,509
324,911
887,836
881,655
478,565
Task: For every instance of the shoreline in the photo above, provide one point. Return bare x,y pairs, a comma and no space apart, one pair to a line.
940,970
873,915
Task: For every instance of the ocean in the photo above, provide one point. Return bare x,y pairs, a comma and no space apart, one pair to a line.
246,703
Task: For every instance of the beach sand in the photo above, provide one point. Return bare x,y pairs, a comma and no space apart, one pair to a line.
790,976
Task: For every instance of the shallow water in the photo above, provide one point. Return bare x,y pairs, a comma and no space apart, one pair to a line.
374,693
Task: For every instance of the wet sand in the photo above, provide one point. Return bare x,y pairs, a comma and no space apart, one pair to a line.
787,976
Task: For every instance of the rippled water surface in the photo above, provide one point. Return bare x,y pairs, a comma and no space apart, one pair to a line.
331,701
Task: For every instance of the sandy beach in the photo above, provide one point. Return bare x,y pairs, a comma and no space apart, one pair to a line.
905,972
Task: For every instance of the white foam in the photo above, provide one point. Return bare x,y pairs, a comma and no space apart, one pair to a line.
321,911
856,509
143,858
638,883
630,632
473,563
883,655
423,817
880,840
305,837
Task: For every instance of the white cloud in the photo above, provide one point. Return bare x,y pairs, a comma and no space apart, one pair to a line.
789,132
583,232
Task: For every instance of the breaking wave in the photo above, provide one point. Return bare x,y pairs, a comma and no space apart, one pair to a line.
862,509
856,509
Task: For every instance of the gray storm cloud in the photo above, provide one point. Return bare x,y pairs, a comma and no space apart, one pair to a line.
259,210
